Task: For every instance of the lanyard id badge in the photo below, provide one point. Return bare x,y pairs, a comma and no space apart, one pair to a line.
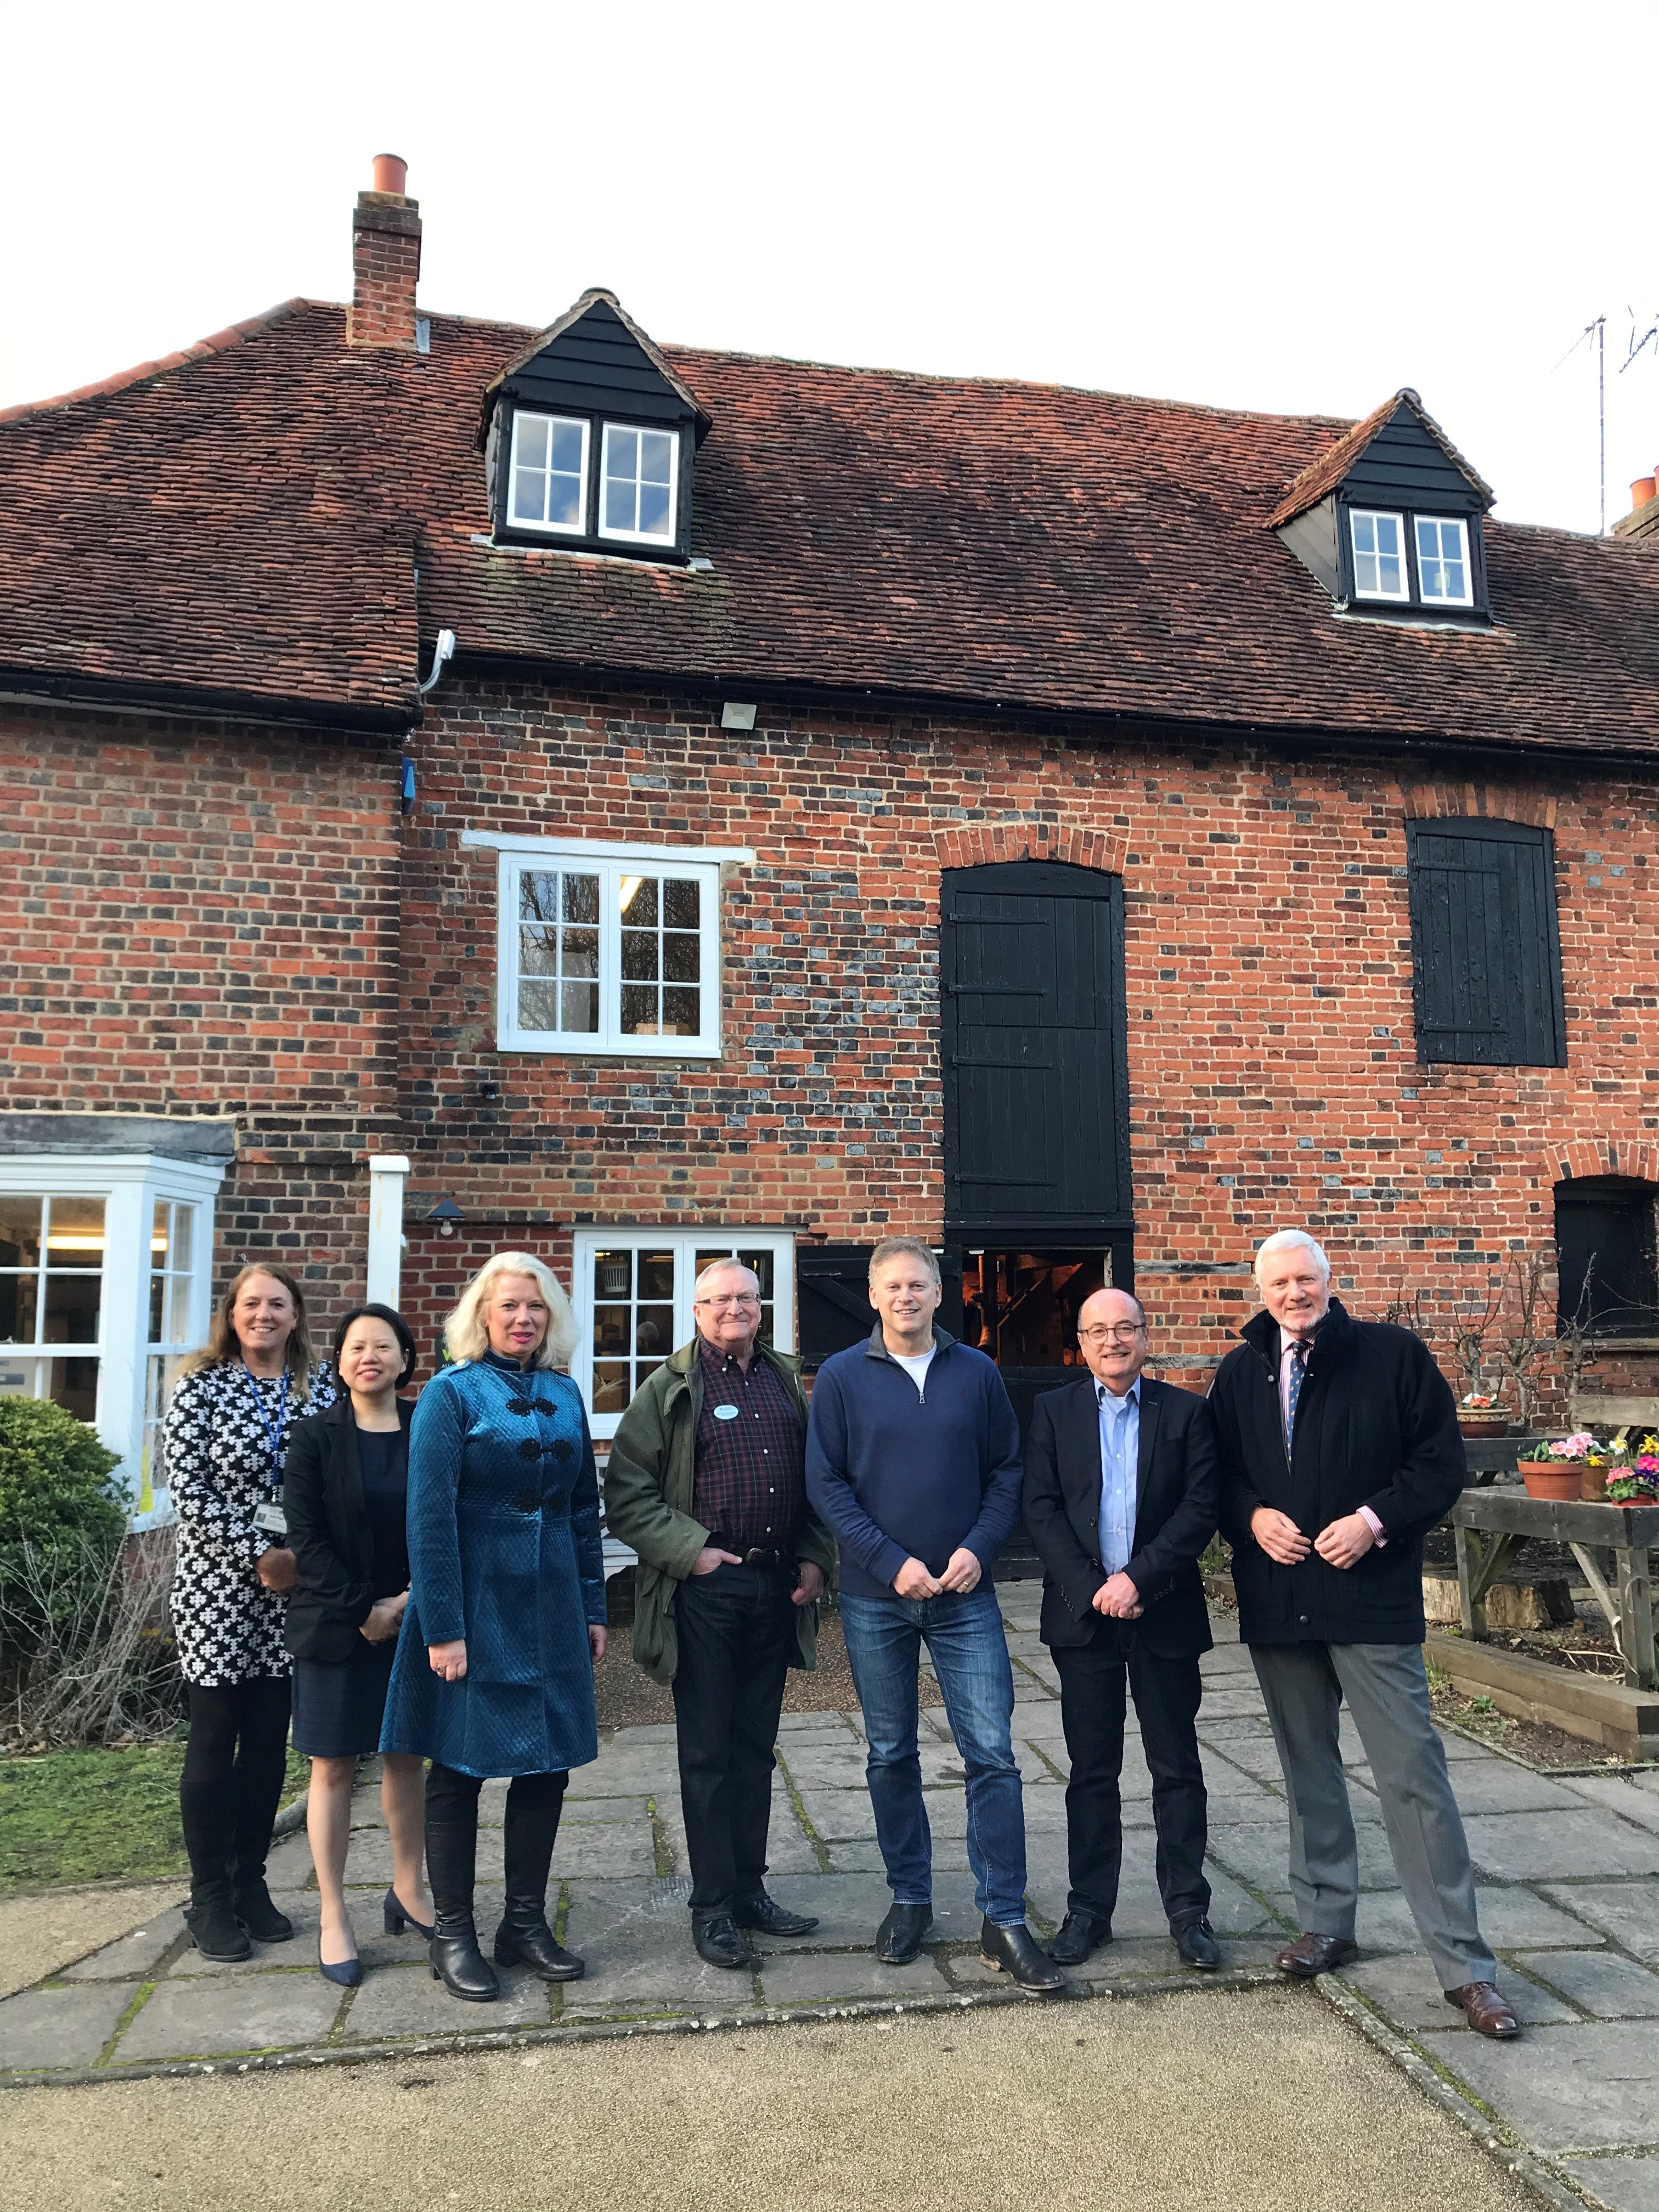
275,1432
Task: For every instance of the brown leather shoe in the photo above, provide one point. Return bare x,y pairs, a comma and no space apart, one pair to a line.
1485,2010
1315,1954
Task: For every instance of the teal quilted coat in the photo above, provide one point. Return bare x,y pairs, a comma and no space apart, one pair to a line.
504,1549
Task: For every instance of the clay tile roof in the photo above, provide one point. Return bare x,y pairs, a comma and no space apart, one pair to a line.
1329,469
245,527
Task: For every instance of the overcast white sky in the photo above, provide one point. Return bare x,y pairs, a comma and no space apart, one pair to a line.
1280,206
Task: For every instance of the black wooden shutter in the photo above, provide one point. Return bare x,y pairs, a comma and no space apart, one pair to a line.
1485,949
832,1300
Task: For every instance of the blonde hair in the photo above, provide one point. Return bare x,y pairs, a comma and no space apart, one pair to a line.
466,1337
224,1345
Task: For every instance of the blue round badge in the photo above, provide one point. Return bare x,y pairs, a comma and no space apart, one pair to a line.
725,1413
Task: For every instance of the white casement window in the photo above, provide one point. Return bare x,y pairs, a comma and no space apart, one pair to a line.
1442,562
547,477
632,1296
1379,556
608,948
639,484
105,1265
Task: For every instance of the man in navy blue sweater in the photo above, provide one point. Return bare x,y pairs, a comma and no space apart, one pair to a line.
913,1461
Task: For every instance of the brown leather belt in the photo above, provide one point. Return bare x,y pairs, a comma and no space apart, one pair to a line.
757,1556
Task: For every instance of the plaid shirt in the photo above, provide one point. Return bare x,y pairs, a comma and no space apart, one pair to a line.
750,1485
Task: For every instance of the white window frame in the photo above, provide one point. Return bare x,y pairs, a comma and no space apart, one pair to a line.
577,529
1402,597
609,862
1443,599
670,537
685,1246
129,1183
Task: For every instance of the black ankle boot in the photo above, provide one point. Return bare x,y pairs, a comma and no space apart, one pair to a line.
214,1927
451,1850
528,1834
524,1939
258,1914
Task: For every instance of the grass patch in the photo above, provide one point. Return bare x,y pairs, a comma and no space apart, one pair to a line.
98,1815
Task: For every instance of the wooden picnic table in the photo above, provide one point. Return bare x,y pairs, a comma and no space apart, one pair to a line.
1489,1526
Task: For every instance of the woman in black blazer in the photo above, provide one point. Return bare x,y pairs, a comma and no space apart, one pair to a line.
344,1491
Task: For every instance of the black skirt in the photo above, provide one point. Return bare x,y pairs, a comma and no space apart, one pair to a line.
338,1705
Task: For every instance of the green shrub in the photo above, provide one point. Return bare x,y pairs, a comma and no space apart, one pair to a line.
55,1490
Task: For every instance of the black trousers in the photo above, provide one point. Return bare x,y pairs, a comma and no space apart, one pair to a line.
737,1633
1093,1679
232,1782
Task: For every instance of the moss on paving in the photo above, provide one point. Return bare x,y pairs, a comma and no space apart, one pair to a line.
73,1816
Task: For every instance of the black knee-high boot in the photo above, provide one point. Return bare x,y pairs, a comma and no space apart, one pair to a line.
529,1832
452,1856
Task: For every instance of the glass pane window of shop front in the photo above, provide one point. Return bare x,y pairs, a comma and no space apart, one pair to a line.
172,1253
52,1264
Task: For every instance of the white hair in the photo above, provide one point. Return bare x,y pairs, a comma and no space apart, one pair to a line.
1291,1240
465,1335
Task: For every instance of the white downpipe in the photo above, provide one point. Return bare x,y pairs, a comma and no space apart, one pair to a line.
388,1172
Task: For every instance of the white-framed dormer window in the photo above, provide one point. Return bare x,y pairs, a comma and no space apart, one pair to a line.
1443,577
1379,556
631,1291
547,476
639,484
105,1266
608,948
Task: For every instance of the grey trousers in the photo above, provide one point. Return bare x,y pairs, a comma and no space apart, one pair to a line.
1388,1694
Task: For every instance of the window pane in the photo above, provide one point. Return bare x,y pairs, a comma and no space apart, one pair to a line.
183,1238
763,1263
177,1330
610,1328
653,511
656,457
579,1005
680,959
639,955
538,952
681,906
624,452
19,1306
538,894
581,898
564,501
532,440
681,1012
618,505
653,1330
638,901
158,1284
639,1009
20,1231
73,1384
656,1275
75,1233
643,1368
71,1309
566,456
528,490
538,1006
610,1386
582,953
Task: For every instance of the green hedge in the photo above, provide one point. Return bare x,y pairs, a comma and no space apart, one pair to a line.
56,1497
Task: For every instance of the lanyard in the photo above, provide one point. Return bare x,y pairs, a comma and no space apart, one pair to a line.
273,1434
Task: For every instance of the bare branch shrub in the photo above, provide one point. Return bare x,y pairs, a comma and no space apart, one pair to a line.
86,1653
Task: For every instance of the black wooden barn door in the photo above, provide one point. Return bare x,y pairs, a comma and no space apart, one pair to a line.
1036,1141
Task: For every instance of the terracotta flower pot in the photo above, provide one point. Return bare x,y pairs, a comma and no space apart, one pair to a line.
1484,1420
1592,1484
1551,1478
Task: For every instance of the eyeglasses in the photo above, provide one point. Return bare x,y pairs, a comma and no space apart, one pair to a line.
1124,1333
746,1301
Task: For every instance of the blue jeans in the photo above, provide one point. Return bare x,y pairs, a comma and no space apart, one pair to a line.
966,1644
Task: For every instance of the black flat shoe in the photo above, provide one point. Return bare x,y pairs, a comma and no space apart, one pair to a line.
345,1973
395,1917
1080,1935
1013,1951
257,1913
461,1966
1195,1941
899,1939
772,1918
716,1937
533,1943
217,1932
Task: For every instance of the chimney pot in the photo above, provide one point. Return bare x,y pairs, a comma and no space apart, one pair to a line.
391,173
385,260
1642,489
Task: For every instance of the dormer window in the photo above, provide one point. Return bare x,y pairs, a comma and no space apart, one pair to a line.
1379,556
1443,562
548,473
640,467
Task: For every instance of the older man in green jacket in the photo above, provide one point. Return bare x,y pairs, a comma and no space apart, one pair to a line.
707,1482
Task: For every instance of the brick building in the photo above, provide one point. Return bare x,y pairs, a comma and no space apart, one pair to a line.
1089,831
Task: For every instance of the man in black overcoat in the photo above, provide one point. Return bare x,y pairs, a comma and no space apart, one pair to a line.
1339,1450
1121,1499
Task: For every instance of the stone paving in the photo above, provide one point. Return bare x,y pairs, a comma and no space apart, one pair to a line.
1568,1867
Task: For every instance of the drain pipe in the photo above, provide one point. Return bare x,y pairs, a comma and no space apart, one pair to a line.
443,652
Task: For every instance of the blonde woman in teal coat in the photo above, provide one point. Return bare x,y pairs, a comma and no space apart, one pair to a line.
494,1674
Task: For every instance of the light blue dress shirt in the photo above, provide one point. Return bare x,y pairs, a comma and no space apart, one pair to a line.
1119,1460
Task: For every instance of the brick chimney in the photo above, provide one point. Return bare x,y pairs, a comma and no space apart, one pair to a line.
385,260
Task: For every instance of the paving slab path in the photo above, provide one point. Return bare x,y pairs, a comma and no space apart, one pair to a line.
1568,1869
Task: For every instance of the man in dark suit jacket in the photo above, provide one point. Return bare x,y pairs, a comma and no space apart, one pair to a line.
1121,1497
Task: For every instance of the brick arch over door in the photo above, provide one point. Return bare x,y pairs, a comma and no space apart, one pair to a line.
983,844
1432,802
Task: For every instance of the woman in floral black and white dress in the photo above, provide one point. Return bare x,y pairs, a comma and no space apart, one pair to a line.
225,1440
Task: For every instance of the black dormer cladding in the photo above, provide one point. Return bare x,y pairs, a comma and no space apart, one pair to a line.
1404,467
598,367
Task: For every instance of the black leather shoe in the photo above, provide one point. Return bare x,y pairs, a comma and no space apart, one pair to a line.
215,1929
1013,1951
458,1962
772,1918
1315,1954
1080,1935
532,1942
1195,1941
899,1939
263,1922
716,1937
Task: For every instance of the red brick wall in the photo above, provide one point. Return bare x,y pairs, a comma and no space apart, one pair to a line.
204,921
1273,1069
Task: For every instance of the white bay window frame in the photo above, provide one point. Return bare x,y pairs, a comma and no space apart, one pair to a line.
518,521
130,1185
1355,516
612,864
664,537
1437,523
